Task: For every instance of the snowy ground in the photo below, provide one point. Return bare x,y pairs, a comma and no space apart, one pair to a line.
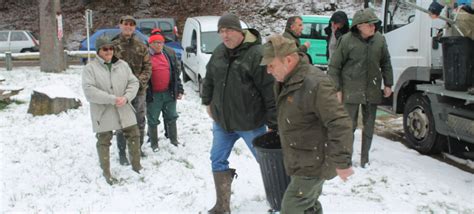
49,164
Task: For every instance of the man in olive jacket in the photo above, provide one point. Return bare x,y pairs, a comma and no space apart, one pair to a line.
315,130
358,66
130,49
237,93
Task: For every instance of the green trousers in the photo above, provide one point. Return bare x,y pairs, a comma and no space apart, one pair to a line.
162,101
369,113
301,196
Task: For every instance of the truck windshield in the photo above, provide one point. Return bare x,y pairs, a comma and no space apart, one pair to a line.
209,41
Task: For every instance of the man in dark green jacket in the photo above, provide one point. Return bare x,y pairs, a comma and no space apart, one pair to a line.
237,93
358,66
293,29
315,131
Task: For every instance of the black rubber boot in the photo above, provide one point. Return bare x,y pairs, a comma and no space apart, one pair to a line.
173,133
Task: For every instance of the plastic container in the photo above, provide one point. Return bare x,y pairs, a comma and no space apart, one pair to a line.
458,62
270,158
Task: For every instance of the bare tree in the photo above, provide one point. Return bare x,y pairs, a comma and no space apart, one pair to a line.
51,48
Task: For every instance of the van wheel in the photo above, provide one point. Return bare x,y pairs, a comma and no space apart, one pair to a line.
200,85
419,125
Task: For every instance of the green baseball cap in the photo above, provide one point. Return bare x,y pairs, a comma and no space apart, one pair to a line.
129,18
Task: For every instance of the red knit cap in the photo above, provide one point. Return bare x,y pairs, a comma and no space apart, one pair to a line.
156,35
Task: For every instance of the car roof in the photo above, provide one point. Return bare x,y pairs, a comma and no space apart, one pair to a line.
209,23
157,19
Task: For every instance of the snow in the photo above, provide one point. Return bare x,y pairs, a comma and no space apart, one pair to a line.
49,164
58,90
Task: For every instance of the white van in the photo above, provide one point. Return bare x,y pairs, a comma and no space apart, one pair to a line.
199,40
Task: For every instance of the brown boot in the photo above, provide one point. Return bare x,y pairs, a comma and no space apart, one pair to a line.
132,135
104,161
222,181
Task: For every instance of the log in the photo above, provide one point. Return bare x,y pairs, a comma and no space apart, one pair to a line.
6,92
42,104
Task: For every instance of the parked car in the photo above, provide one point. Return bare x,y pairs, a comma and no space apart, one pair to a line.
313,32
167,26
112,32
18,41
200,38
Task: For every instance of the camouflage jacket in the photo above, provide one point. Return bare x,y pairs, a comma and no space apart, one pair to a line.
135,53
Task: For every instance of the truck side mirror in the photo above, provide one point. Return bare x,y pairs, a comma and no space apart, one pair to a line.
191,49
435,35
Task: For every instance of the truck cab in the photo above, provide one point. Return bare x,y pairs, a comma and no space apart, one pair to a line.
432,114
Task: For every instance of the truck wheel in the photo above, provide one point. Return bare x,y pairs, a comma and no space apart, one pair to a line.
419,125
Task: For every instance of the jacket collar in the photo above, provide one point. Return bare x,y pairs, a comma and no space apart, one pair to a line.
292,81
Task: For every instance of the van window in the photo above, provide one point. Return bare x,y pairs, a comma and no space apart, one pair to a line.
18,36
313,31
194,39
398,16
209,41
3,36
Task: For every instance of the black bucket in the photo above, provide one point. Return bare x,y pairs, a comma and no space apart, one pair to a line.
270,158
458,62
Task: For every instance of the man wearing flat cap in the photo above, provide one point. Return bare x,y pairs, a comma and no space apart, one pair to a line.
237,93
315,130
130,49
358,66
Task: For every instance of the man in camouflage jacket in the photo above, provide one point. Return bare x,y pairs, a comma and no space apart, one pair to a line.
135,53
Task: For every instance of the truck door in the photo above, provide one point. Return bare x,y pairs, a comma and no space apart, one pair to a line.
401,28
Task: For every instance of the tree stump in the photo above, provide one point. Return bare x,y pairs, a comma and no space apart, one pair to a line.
42,104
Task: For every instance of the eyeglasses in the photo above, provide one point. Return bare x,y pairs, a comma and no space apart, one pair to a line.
128,23
157,43
107,48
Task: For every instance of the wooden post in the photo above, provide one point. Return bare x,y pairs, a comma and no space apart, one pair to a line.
8,60
66,63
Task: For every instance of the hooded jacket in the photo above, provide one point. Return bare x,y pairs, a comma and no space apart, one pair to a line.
237,88
337,17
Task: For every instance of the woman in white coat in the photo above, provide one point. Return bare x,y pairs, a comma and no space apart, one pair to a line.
109,85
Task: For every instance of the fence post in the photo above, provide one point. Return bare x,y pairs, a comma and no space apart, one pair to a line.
8,60
66,60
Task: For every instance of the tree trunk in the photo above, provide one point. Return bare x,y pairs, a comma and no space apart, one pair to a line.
51,48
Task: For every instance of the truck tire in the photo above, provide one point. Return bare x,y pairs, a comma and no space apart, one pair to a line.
419,125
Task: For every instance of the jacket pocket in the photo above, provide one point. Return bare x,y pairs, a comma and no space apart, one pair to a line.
305,152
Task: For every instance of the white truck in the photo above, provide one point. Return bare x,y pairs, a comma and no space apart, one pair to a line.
433,116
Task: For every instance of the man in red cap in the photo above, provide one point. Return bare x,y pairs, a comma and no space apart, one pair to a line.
164,88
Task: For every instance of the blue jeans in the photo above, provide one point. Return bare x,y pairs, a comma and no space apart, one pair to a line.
224,141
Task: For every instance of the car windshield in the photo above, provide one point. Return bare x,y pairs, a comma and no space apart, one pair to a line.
209,41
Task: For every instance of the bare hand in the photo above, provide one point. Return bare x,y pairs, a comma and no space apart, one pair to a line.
387,91
208,109
344,173
179,97
339,96
120,101
307,44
